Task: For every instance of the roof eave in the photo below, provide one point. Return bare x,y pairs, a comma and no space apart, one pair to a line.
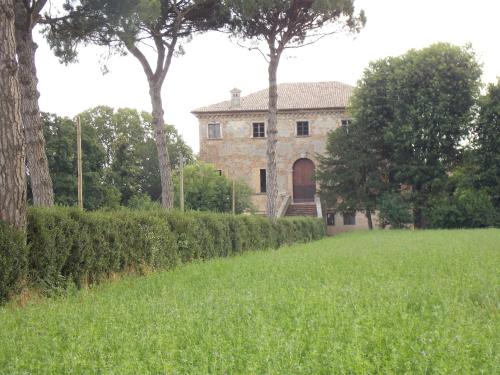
232,111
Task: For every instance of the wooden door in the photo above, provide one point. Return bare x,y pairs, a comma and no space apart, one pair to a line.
304,187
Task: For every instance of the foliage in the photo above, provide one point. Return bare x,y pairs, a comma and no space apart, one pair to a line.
352,173
417,109
119,156
143,202
391,302
122,25
68,247
206,190
13,260
290,23
468,208
60,136
486,144
394,210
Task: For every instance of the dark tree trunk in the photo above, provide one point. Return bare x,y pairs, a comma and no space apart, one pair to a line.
38,166
161,145
12,167
272,139
369,218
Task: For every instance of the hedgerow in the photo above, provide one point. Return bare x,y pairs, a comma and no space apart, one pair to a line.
66,246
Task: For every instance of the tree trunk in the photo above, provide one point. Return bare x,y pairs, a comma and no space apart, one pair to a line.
369,218
38,166
161,145
272,139
12,167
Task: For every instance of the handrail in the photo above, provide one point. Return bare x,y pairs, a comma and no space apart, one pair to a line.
319,210
286,199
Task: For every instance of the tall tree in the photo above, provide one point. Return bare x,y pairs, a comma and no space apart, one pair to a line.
352,174
283,24
486,154
432,94
414,111
126,26
27,16
12,168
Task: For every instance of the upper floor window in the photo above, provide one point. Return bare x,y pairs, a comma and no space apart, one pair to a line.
346,124
350,218
259,130
302,128
214,131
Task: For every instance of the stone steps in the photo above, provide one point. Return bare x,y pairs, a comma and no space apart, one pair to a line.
302,210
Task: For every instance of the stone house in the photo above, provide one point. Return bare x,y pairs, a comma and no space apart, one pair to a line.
233,139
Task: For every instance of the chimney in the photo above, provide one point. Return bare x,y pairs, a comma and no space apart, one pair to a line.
235,98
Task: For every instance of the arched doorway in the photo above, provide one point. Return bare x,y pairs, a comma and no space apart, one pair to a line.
304,187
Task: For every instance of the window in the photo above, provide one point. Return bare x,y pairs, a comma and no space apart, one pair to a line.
263,180
302,128
258,130
346,124
330,218
350,218
214,131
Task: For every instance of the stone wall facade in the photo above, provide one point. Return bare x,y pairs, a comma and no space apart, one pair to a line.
241,156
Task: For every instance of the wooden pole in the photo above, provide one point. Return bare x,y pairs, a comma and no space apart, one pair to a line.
79,162
234,197
181,183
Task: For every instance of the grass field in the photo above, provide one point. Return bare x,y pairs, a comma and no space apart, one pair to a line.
382,302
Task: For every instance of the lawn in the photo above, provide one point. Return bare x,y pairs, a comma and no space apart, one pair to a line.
381,302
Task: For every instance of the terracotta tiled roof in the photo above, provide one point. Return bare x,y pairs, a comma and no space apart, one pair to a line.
291,96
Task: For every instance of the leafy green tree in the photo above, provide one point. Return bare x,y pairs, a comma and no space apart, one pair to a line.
206,190
126,26
282,24
352,174
486,153
419,108
127,137
394,210
60,135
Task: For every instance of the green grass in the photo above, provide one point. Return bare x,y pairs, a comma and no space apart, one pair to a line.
382,302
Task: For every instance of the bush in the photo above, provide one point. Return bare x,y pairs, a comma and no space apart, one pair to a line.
394,211
70,247
466,208
13,258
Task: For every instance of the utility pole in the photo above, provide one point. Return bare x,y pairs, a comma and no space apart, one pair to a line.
234,197
181,182
79,162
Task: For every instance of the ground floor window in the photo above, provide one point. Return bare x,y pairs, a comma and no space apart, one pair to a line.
263,180
330,218
349,218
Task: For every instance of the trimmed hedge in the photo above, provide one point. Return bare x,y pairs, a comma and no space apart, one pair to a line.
13,260
70,247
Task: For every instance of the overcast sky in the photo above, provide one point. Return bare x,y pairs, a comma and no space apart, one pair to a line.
214,64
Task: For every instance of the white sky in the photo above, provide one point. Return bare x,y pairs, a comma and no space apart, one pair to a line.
213,64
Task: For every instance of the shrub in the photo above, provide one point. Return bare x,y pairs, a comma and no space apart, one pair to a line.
13,258
466,208
70,247
394,210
